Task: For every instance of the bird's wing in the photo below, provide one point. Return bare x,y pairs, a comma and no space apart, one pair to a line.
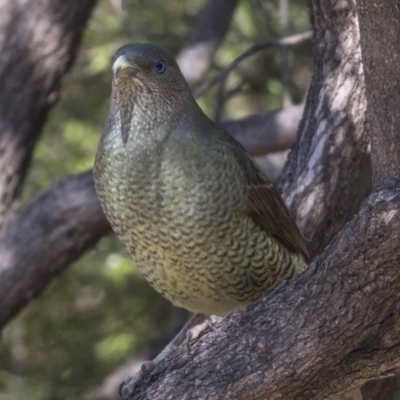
270,212
266,206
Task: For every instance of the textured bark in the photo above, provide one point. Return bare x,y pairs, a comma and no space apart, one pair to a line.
380,38
313,338
57,228
196,57
320,181
38,42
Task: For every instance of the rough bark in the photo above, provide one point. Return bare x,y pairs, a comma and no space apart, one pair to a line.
196,57
313,338
57,228
321,178
38,42
380,38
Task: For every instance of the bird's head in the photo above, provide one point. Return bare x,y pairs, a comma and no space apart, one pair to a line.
148,76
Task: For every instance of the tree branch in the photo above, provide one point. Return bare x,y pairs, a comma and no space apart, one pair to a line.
38,42
383,87
282,347
56,229
378,356
322,176
195,58
286,41
267,133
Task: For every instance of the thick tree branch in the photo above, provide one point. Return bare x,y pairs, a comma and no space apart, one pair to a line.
378,356
317,323
196,57
38,42
321,179
383,86
56,229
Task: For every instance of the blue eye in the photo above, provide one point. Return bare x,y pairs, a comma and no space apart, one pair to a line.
160,66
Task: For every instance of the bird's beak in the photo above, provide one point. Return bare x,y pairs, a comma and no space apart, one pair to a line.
122,67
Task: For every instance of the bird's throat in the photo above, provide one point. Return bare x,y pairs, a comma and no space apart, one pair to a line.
126,117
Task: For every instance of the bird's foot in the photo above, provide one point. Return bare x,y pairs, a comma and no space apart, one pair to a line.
128,385
194,333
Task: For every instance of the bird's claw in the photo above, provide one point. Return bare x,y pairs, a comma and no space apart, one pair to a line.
193,334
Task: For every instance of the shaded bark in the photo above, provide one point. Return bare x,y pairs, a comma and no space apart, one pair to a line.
38,42
56,229
320,181
312,338
380,25
383,96
382,389
196,57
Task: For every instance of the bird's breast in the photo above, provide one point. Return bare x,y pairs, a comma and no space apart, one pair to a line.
180,212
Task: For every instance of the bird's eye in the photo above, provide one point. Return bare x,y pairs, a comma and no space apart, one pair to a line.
160,66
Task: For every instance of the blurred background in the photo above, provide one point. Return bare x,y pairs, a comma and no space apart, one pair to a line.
100,317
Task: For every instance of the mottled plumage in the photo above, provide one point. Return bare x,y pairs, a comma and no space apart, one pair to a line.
206,228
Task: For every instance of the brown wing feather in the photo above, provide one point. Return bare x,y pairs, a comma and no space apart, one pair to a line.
265,204
270,212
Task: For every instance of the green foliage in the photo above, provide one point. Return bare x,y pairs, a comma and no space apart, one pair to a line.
101,310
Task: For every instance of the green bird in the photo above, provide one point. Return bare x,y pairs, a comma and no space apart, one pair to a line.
207,229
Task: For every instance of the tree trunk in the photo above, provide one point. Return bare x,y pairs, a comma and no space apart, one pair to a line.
38,42
321,179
